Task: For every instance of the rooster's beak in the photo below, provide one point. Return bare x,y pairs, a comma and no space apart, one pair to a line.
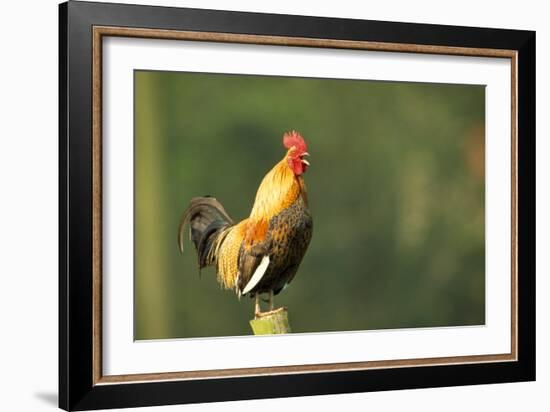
304,160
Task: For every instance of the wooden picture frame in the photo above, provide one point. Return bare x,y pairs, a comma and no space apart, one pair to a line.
82,384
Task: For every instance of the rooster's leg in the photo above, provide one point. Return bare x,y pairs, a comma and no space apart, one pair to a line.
271,300
257,310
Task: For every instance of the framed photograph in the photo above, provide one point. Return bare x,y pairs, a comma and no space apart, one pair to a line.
257,205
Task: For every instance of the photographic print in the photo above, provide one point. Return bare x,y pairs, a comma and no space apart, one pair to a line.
273,204
257,205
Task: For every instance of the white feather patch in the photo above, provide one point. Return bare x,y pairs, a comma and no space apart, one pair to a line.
257,276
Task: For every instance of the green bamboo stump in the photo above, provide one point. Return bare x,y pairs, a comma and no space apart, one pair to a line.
274,322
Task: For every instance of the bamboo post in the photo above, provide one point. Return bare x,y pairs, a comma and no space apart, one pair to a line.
274,322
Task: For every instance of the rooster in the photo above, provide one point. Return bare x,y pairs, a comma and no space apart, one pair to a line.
262,253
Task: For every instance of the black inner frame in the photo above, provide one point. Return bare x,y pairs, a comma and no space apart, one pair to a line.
76,389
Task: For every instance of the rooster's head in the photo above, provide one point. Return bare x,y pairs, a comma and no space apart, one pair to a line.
297,150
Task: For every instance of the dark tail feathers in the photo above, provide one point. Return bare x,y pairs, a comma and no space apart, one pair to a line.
207,218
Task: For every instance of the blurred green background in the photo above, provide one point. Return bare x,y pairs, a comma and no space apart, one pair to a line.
396,189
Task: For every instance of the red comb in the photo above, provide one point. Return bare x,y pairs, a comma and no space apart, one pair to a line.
295,139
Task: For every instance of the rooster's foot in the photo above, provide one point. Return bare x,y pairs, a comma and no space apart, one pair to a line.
258,314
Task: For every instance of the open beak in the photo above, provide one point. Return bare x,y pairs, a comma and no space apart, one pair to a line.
304,160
